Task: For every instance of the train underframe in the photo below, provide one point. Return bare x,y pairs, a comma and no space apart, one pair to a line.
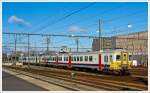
122,71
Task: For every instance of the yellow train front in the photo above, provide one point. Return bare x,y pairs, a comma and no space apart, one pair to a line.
119,61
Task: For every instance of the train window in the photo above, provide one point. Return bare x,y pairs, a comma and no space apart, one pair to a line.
124,57
55,58
110,58
71,58
130,57
50,58
90,58
60,58
86,58
118,57
81,58
105,58
66,58
74,58
24,58
77,58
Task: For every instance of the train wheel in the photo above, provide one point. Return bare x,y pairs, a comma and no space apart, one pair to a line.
121,73
128,72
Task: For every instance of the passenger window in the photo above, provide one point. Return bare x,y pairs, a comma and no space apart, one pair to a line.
118,57
71,58
105,58
81,58
130,57
74,58
60,58
77,58
86,58
49,58
110,58
66,58
90,58
124,57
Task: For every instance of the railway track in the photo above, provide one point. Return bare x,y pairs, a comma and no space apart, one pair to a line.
132,78
91,81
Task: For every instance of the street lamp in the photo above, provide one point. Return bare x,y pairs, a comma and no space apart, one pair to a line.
130,26
97,31
72,35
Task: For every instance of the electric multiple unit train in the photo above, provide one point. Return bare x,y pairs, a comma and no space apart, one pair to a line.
118,61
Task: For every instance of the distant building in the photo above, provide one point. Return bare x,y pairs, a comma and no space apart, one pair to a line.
136,43
104,43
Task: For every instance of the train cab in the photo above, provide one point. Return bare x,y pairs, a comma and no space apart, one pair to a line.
120,61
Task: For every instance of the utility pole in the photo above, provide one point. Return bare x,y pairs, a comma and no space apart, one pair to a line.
28,50
47,42
15,47
100,22
77,42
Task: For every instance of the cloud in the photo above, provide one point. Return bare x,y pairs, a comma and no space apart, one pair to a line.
75,29
129,25
18,21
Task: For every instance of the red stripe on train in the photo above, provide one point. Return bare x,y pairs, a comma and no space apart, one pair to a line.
100,62
57,60
69,62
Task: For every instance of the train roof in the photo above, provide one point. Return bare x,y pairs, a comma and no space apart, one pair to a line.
96,52
91,52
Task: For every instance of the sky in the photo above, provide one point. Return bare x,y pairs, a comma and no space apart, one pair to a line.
52,18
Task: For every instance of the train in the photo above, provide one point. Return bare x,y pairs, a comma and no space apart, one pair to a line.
116,61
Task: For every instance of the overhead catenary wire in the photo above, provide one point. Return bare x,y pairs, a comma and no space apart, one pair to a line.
65,17
62,18
116,18
97,16
47,20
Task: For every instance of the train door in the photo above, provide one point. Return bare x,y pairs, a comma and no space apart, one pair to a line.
69,61
124,58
